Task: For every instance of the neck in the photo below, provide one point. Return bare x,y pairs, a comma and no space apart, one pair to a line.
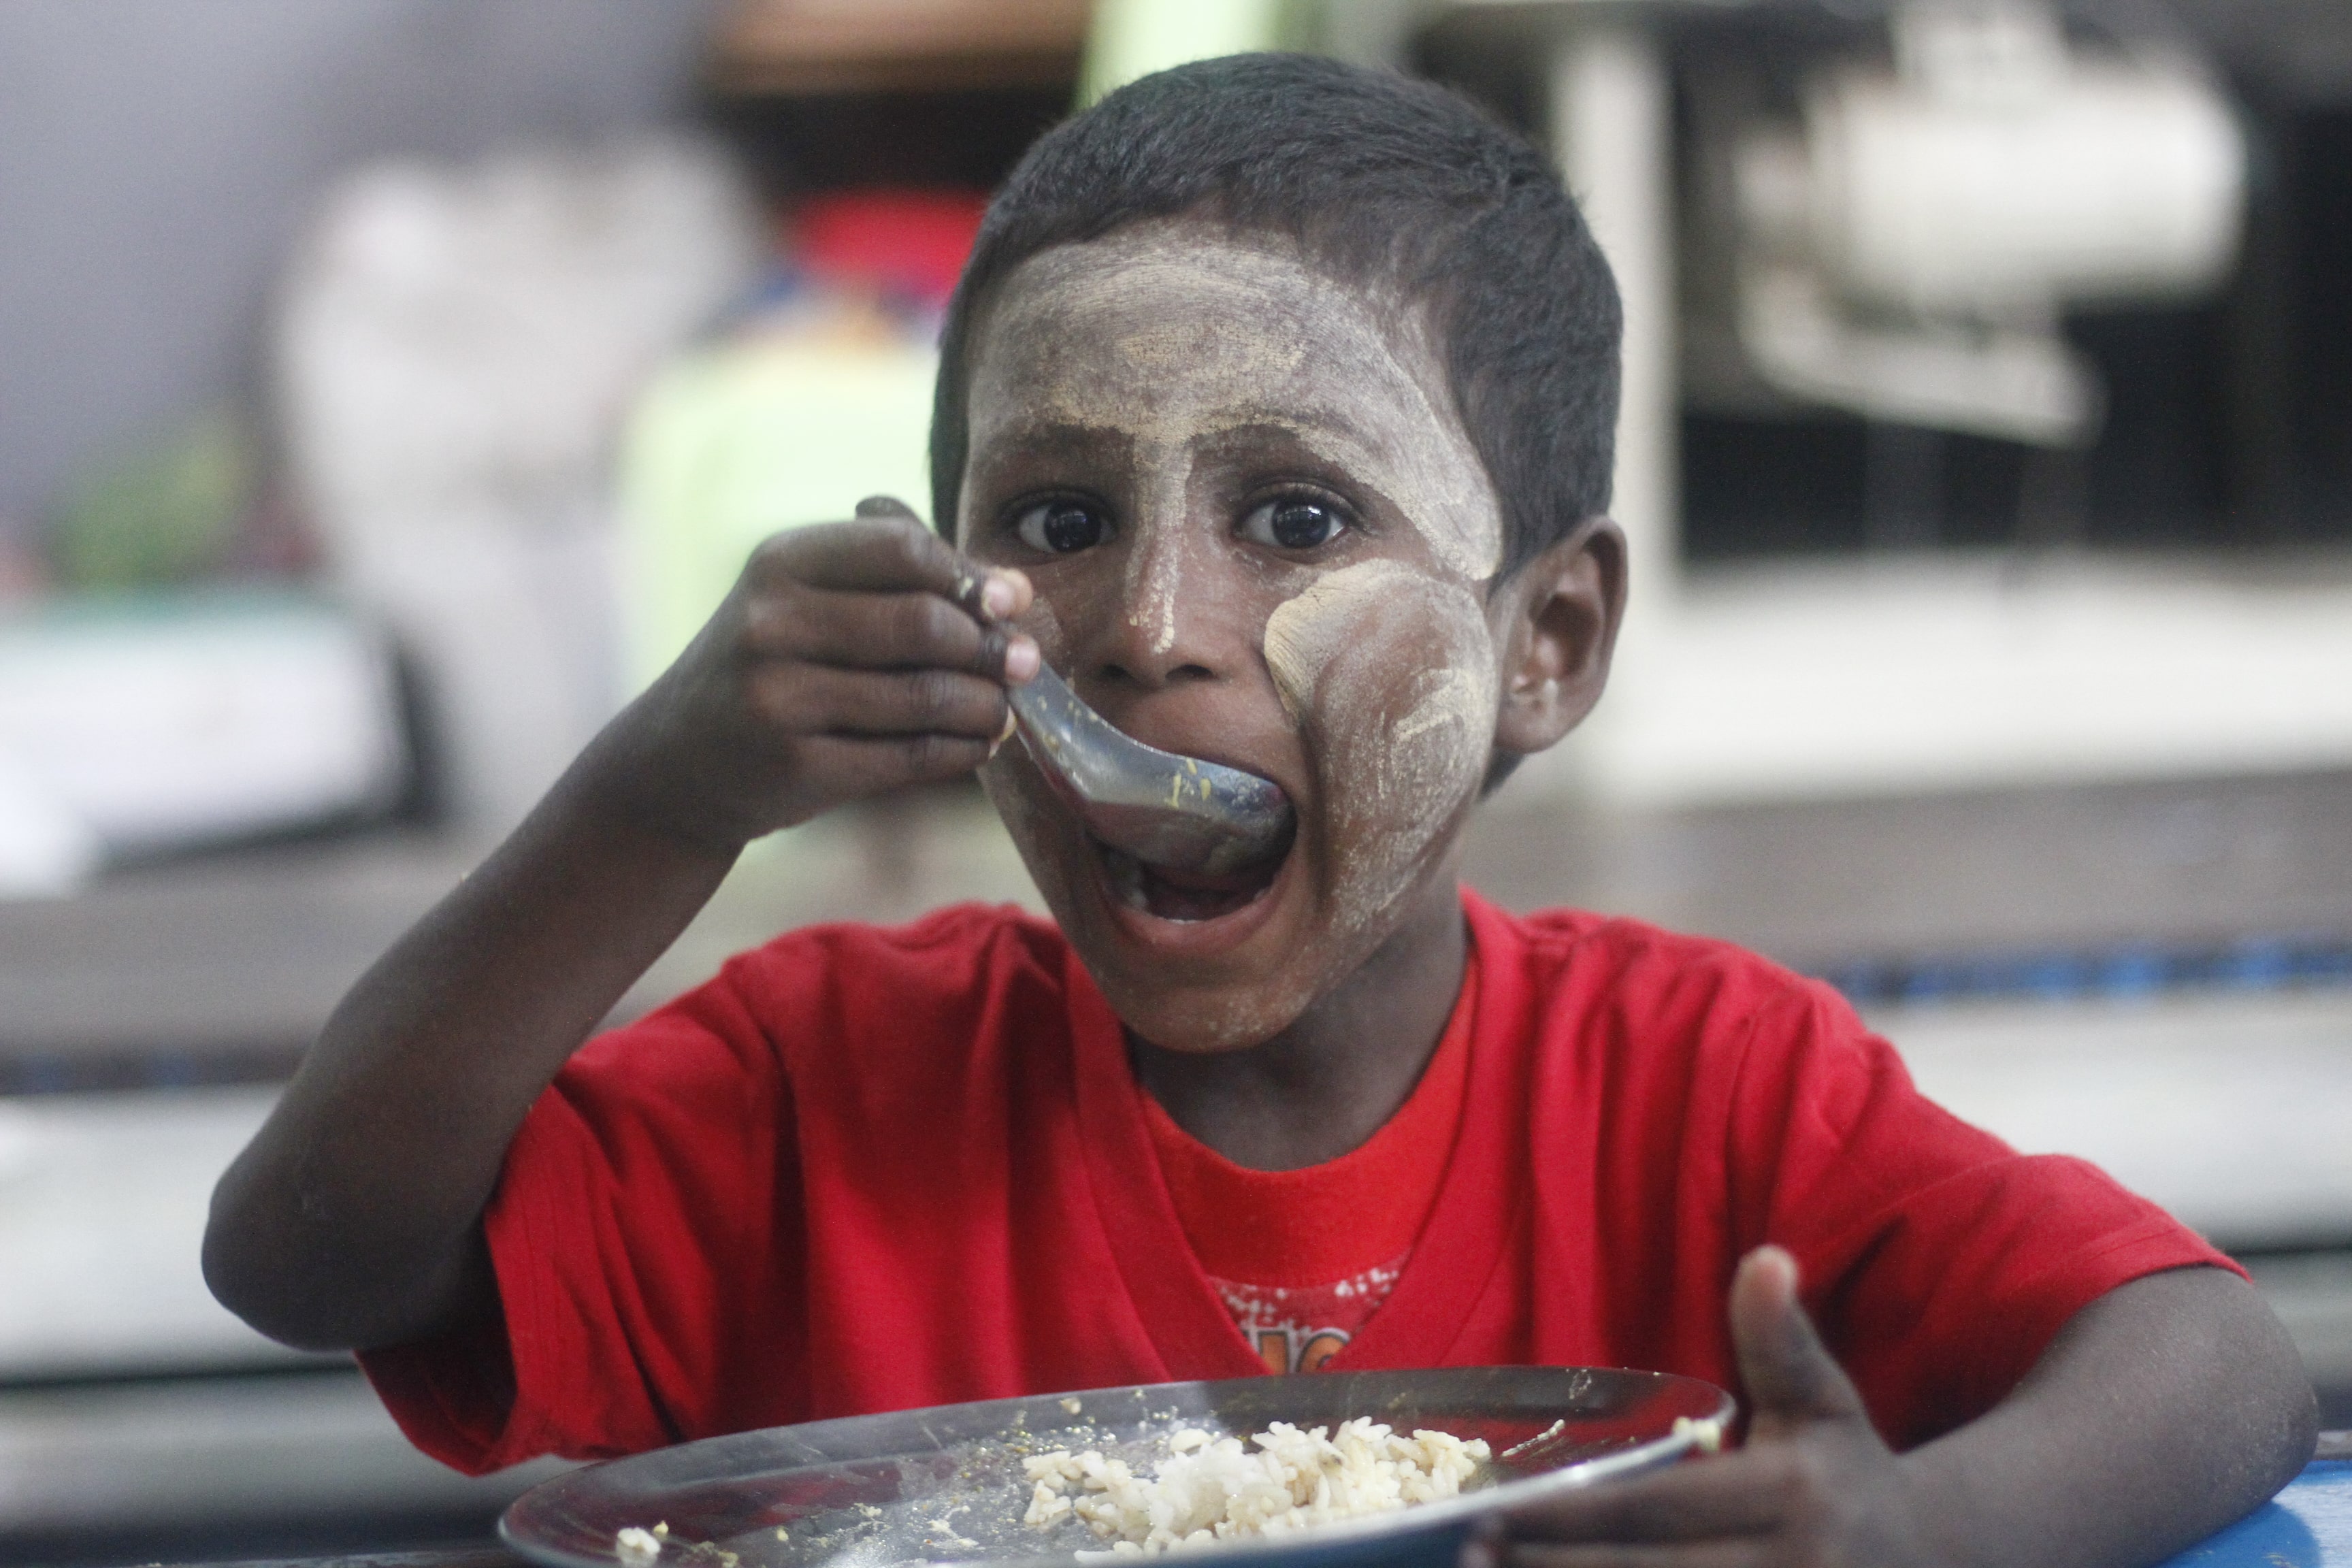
1329,1081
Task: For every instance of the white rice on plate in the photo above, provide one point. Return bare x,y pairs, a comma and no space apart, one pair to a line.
1219,1489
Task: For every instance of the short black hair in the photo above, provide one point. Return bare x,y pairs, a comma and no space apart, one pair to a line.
1378,178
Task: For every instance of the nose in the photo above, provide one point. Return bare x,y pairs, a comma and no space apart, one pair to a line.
1175,616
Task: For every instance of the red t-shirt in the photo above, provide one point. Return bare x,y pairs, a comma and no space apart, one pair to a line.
864,1170
1303,1258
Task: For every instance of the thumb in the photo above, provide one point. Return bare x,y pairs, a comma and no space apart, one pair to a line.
1791,1378
885,506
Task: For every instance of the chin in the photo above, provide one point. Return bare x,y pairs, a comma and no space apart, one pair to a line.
1205,1021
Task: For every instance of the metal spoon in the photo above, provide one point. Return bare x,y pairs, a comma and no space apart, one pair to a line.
1163,809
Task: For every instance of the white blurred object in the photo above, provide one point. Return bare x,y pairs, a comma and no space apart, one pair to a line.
767,429
46,851
456,352
102,1209
145,726
2009,177
2227,1108
102,1201
1909,249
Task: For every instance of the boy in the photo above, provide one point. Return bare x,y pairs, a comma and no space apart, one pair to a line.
1274,410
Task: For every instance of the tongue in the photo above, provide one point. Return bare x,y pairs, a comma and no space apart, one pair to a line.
1181,895
1249,879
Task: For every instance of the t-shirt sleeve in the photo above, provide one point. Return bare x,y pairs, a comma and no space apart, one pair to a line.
1938,1261
645,1238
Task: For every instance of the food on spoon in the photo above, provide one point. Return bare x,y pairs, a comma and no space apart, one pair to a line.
1216,1488
1707,1435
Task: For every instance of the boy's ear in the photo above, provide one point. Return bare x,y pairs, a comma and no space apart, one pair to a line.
1564,610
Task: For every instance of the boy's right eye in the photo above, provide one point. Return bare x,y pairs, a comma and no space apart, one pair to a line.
1061,527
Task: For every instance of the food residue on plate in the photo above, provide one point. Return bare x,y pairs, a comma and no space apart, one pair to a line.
1538,1440
1706,1435
1217,1489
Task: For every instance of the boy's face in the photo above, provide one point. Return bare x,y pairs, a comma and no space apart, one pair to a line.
1259,535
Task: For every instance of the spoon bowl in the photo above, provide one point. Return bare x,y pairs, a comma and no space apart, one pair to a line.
1162,808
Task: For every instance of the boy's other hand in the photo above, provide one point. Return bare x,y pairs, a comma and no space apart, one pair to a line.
1814,1485
849,659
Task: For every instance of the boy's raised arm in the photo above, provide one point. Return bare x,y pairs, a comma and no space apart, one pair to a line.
849,659
2162,1411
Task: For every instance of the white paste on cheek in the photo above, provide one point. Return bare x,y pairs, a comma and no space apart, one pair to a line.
1394,759
1305,631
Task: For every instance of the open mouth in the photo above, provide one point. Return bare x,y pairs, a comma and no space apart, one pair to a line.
1168,894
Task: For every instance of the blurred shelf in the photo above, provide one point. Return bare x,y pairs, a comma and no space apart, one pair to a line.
869,45
213,1467
2227,1108
1818,883
221,969
103,1199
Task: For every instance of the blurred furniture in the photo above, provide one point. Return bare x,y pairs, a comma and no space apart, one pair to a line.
198,1469
836,46
454,347
873,131
139,725
1802,663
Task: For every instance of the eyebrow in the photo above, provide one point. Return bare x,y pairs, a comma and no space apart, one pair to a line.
1341,443
1061,432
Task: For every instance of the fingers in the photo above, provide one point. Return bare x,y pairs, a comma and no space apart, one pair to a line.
888,550
1738,1494
884,593
1790,1374
884,631
815,700
1807,1487
863,765
852,658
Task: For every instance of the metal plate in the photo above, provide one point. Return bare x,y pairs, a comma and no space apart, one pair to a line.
945,1484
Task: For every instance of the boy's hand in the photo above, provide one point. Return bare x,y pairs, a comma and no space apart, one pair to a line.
1814,1485
847,659
850,659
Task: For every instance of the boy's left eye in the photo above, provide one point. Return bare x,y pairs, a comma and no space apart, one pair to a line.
1293,522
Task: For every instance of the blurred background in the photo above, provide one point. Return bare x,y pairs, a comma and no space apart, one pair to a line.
389,387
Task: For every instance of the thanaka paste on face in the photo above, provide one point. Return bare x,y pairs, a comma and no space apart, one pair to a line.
1209,335
1170,336
1412,756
